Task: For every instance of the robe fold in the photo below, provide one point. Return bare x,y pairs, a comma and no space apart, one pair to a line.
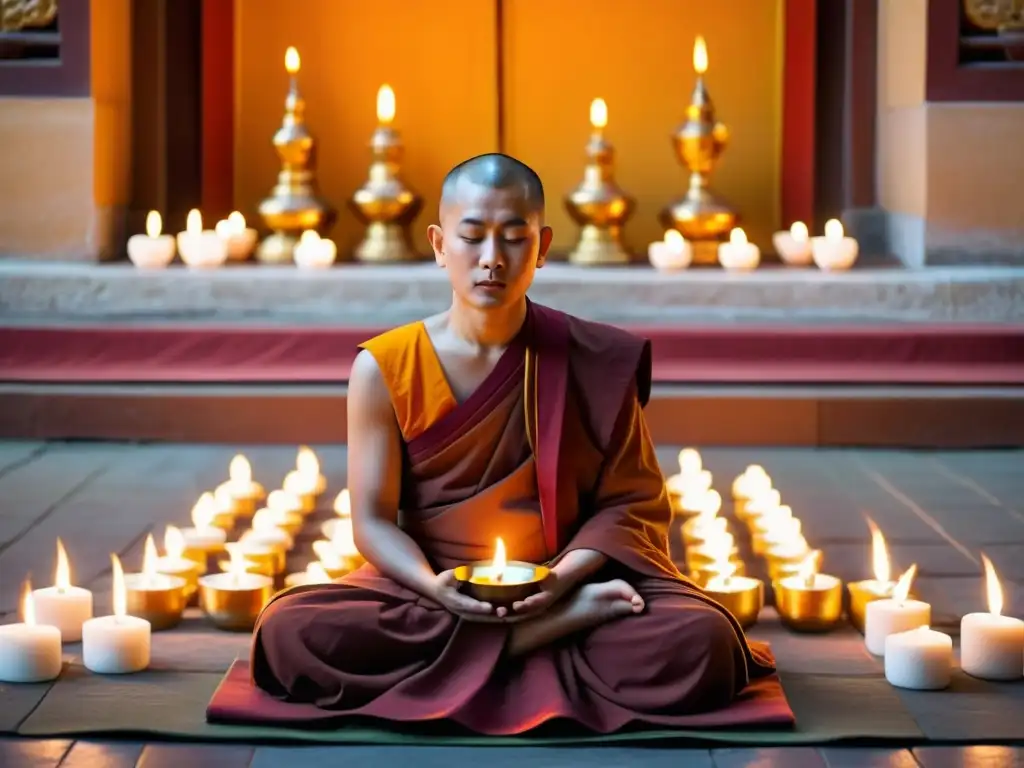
552,454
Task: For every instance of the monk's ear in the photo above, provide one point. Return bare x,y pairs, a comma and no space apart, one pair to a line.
436,237
545,244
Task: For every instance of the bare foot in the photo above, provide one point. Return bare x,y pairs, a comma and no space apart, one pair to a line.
595,604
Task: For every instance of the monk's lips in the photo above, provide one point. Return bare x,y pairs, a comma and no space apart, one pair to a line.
523,579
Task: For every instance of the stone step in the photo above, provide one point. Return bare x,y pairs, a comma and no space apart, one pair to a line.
736,415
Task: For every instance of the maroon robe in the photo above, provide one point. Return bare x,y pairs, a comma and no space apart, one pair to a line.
367,646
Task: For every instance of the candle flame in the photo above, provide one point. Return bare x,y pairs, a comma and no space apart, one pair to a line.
62,573
719,545
292,62
316,572
120,594
500,562
700,55
902,588
833,229
194,222
154,224
879,554
204,511
343,539
598,113
799,232
306,462
283,501
174,542
809,567
28,603
237,565
993,589
309,237
385,104
690,462
738,236
343,504
237,222
240,470
674,239
710,504
149,558
327,554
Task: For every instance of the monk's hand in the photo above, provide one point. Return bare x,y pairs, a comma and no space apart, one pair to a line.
446,592
550,591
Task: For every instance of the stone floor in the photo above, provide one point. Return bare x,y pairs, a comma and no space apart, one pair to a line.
937,509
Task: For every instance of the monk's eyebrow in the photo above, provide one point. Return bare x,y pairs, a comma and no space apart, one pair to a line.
472,222
515,223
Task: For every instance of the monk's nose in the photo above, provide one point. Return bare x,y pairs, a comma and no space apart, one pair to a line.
492,255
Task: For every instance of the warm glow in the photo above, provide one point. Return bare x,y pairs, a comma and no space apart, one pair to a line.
343,540
28,604
809,567
719,545
500,561
690,462
306,462
879,554
315,572
343,504
902,588
385,104
720,581
119,593
194,222
710,504
328,555
149,558
154,224
283,501
674,239
700,55
240,470
598,113
308,237
237,222
204,512
62,574
237,567
174,542
993,588
799,232
833,230
738,236
292,62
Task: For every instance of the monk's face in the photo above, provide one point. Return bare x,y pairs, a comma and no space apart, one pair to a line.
490,241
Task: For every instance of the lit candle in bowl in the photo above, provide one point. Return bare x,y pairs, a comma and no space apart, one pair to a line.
706,525
763,503
117,644
203,538
288,521
315,573
63,606
742,596
774,528
894,614
240,239
284,502
151,250
267,549
690,462
920,659
739,254
174,562
201,248
809,601
314,252
866,591
750,482
308,465
243,492
834,251
708,571
156,597
266,533
233,600
992,645
500,581
29,652
339,554
794,245
717,547
785,558
671,253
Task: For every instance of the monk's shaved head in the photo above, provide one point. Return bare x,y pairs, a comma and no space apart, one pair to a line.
495,171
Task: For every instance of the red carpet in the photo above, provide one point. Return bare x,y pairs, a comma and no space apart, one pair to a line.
900,354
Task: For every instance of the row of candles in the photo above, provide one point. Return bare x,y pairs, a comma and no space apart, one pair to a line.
155,598
895,625
230,241
832,251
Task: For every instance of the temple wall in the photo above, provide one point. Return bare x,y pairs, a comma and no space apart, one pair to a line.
441,60
65,161
948,173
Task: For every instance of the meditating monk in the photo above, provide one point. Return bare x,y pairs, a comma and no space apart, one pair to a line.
503,418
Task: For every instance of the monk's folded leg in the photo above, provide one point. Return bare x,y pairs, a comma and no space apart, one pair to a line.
341,646
680,656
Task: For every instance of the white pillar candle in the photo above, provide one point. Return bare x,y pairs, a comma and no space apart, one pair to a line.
118,644
63,606
896,614
920,659
991,645
29,652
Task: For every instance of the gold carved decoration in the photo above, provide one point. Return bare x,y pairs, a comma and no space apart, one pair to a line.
17,15
994,15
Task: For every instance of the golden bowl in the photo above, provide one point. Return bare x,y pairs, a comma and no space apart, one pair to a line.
524,579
